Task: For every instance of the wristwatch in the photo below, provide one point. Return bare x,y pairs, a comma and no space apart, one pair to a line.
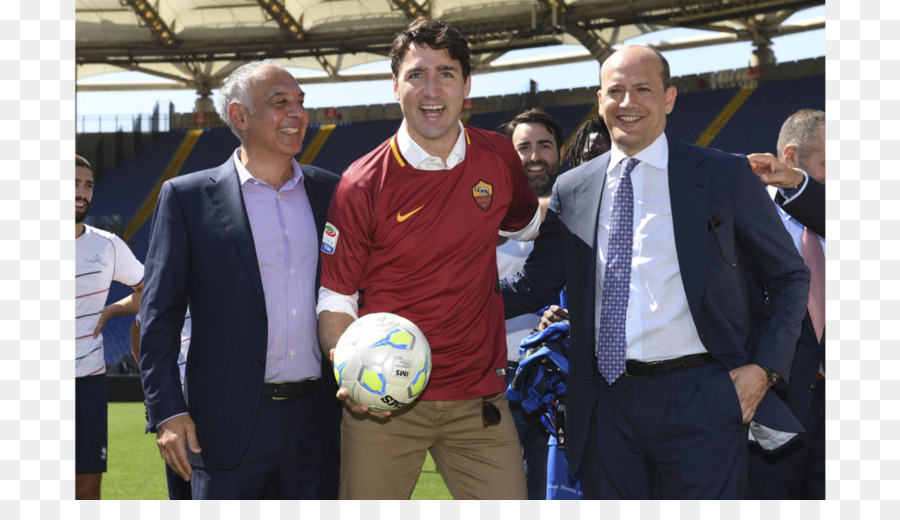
771,375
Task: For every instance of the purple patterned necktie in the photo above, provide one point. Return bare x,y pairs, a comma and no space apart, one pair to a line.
616,281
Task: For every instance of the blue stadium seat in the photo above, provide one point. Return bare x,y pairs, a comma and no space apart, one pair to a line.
695,111
350,141
755,126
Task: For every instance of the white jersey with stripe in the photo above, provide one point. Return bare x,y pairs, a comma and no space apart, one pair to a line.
100,258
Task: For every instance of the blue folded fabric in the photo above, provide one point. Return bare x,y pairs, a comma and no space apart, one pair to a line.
539,382
543,368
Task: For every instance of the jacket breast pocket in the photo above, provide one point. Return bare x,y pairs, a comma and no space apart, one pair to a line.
720,236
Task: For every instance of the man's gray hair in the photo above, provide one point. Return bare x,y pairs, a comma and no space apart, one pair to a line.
235,88
801,129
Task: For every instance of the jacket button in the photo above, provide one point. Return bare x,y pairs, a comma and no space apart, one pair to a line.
263,315
590,381
262,362
810,388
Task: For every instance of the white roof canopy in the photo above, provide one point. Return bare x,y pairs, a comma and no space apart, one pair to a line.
195,44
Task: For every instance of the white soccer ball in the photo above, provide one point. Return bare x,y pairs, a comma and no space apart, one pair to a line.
383,360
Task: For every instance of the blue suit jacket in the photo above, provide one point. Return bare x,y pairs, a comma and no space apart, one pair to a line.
800,395
809,209
201,250
707,188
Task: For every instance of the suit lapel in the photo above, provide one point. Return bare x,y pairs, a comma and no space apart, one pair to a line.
689,194
224,192
318,202
586,203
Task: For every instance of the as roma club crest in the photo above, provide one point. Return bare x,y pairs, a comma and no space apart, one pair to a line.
483,193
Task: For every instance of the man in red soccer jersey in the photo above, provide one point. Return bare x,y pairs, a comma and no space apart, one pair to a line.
413,230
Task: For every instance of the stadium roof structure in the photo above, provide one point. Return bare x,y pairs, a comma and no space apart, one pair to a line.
195,44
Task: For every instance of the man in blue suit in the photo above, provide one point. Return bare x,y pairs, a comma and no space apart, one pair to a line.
654,254
240,243
797,181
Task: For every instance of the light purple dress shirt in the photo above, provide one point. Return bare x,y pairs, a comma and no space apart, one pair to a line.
287,246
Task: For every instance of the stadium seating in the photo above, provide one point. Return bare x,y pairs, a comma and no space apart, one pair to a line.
120,192
695,111
487,120
754,128
350,141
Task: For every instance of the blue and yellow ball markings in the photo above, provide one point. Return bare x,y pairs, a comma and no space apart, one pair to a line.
397,338
373,380
338,369
418,382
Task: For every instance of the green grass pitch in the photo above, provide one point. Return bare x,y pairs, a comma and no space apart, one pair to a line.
136,471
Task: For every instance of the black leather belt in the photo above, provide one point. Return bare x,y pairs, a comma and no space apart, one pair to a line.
636,368
291,390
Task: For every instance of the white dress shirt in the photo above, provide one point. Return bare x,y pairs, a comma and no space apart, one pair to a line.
658,324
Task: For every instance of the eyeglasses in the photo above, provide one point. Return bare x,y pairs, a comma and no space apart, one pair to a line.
490,414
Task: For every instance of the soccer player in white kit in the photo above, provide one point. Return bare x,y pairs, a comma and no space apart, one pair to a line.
100,258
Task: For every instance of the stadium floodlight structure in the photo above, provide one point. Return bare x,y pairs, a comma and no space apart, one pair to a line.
412,9
289,26
150,17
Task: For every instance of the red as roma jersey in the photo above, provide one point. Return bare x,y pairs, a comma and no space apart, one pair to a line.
422,244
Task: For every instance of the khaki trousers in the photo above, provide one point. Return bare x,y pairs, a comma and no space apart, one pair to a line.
382,458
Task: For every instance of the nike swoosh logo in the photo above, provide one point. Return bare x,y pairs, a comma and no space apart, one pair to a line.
401,218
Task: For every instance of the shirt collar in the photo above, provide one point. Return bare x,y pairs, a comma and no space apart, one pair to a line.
244,174
420,159
785,216
656,155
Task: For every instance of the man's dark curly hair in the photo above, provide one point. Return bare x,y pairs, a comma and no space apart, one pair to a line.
434,34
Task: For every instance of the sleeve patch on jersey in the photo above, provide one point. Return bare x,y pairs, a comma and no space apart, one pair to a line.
329,238
483,193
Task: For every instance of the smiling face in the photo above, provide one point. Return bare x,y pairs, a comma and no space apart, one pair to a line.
277,124
84,192
430,88
539,154
633,100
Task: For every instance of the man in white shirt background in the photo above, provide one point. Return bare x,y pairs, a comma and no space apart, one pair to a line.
100,258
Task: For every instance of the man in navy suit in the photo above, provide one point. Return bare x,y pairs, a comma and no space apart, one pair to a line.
674,424
797,181
240,243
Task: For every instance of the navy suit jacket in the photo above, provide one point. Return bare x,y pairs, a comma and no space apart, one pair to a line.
201,250
800,395
708,188
808,207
